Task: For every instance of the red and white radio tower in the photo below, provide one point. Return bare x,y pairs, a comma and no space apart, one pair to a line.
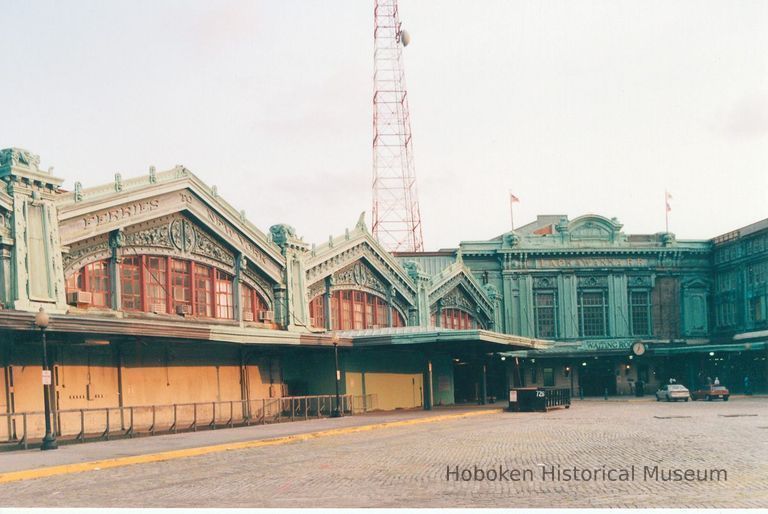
396,218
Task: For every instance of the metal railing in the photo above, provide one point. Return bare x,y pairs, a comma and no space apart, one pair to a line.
557,398
21,429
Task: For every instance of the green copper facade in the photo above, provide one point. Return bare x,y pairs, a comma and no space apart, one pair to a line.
595,291
582,280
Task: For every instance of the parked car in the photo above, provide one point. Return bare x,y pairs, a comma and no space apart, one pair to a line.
672,392
711,392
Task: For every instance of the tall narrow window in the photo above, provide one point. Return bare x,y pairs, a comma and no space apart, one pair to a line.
345,305
203,291
156,283
96,281
246,303
335,310
640,312
224,298
358,310
397,319
545,311
181,283
593,319
317,312
381,312
130,283
370,302
757,308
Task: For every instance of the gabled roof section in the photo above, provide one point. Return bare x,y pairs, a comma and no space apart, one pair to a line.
458,275
340,251
103,208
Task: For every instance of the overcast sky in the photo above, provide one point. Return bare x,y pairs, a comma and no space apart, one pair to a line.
574,106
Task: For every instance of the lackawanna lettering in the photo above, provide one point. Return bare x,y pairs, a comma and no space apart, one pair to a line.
478,474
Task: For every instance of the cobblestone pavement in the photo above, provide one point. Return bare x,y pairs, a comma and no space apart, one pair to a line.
407,466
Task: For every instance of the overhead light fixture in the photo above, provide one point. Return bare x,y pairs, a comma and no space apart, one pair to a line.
96,342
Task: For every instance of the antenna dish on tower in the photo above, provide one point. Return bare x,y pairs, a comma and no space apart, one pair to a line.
405,37
396,218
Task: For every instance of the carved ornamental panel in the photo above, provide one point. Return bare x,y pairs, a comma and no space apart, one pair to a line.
359,275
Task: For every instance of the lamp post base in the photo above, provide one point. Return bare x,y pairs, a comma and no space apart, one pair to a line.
49,443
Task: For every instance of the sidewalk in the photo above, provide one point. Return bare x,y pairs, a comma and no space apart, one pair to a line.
649,398
71,454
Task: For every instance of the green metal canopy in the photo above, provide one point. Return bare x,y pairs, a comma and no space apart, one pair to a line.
735,347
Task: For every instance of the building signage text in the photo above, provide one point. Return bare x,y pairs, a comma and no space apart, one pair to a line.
592,262
119,213
605,345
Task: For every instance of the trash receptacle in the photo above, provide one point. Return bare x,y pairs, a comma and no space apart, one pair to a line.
527,399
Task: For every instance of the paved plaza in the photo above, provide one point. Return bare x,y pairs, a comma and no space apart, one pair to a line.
424,465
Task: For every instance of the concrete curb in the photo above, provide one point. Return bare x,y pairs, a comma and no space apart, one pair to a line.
28,474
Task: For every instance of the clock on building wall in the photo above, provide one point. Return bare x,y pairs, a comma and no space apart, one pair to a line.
638,348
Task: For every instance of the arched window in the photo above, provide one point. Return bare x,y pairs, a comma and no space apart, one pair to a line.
93,278
160,284
353,310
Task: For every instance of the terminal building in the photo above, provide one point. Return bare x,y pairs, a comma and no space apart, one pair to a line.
159,292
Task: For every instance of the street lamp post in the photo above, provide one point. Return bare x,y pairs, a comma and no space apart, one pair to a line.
337,411
49,440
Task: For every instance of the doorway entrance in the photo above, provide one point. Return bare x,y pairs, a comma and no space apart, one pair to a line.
597,377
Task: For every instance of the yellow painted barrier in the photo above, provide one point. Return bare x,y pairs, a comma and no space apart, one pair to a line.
64,469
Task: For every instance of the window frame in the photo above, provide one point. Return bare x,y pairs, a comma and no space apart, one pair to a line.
538,308
647,305
604,311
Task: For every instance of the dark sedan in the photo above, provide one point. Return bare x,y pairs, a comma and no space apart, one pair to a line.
713,392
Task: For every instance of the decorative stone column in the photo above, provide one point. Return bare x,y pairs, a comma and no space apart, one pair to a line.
295,302
36,272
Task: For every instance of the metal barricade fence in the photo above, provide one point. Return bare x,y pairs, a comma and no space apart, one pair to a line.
23,428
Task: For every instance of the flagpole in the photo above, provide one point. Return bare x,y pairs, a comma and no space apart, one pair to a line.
511,211
666,211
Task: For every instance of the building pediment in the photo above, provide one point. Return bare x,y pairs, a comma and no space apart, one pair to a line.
455,286
86,214
592,227
359,246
